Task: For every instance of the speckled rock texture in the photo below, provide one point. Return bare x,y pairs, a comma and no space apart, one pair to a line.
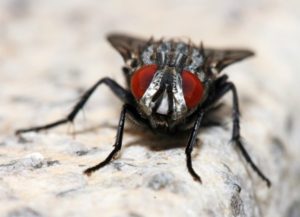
51,51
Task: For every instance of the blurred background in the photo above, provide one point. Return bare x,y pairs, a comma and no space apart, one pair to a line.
63,42
52,50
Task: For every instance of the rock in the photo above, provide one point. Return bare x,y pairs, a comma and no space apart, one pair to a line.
24,212
31,161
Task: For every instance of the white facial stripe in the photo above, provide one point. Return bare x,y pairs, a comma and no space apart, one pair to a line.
164,105
146,100
179,106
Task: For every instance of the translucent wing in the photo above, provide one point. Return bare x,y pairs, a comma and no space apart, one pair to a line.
126,45
221,58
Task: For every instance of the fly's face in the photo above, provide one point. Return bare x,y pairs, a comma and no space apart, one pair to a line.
168,79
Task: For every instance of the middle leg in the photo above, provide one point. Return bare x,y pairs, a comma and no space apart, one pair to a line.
190,146
119,137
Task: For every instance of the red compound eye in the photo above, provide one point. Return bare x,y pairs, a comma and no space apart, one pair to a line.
193,89
141,80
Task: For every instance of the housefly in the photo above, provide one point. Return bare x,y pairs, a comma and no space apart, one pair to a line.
171,86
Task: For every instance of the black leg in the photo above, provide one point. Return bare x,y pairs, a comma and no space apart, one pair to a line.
123,94
118,142
236,138
190,146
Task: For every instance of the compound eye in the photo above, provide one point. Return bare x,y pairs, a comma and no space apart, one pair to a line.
193,89
141,80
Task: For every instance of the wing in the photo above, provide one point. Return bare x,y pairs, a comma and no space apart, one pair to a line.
126,45
215,58
219,59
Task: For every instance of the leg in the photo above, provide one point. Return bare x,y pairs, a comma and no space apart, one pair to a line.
190,146
123,94
236,138
118,142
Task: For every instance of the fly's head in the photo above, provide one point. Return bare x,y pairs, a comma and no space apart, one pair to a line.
169,79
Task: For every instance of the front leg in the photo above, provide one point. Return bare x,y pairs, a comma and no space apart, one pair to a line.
119,137
236,138
119,91
190,146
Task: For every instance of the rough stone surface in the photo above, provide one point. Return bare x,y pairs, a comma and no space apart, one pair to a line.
51,51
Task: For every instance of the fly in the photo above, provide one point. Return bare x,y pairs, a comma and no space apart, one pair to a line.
171,87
